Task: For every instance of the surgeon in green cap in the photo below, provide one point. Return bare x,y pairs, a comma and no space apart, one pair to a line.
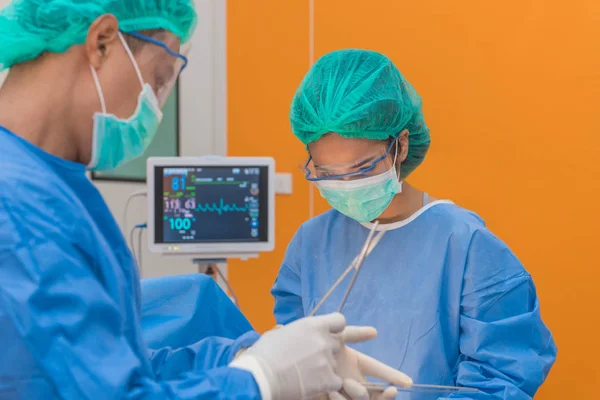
451,302
87,82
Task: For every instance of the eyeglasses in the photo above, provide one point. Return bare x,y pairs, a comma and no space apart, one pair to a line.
167,78
363,168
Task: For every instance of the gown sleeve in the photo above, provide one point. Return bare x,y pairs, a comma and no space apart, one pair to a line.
506,350
73,329
180,310
287,290
192,324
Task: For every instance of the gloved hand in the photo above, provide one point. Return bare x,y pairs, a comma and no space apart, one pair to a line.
353,390
353,366
299,360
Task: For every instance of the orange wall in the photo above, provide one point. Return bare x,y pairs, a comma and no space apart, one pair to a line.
512,96
267,57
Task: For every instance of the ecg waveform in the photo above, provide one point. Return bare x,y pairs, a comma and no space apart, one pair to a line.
222,207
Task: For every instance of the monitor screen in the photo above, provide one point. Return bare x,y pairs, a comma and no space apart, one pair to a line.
211,204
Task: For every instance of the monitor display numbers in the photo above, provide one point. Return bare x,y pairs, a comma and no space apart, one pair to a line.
180,224
252,171
211,204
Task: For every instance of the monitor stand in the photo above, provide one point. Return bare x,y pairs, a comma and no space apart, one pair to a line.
210,267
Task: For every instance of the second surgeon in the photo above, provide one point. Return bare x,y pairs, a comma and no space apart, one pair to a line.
451,302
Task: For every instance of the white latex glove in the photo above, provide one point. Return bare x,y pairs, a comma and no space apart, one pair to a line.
356,391
354,366
299,360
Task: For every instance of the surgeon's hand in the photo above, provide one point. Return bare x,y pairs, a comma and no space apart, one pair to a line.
354,366
300,360
353,390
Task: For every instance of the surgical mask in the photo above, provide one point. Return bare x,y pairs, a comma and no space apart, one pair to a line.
364,199
116,141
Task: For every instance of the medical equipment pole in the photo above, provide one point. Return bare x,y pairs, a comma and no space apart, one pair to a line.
209,266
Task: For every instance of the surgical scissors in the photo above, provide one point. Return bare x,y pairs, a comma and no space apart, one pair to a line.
356,264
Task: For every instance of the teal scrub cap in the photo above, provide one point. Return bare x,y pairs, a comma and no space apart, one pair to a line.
360,94
29,28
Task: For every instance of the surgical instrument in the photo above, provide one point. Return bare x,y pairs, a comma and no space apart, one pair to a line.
359,264
420,388
356,264
368,247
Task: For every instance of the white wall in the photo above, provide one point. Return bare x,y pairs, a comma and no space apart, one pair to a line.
202,116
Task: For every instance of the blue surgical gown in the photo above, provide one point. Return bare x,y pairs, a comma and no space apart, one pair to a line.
70,298
451,302
183,309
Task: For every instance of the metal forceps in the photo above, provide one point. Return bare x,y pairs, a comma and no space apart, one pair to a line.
356,264
414,388
420,388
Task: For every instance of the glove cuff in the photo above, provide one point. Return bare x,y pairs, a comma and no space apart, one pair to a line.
249,363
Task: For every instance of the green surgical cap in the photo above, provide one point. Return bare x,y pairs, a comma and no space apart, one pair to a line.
360,94
30,27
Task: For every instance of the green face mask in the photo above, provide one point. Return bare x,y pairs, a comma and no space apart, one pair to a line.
364,199
116,141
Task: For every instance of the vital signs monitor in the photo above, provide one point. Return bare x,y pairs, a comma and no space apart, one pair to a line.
211,207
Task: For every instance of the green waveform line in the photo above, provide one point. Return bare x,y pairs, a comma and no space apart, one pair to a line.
222,207
178,195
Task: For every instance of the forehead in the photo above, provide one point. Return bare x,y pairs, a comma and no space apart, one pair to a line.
170,39
335,149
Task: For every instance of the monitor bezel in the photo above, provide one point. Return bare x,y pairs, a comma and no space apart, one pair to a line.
222,249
